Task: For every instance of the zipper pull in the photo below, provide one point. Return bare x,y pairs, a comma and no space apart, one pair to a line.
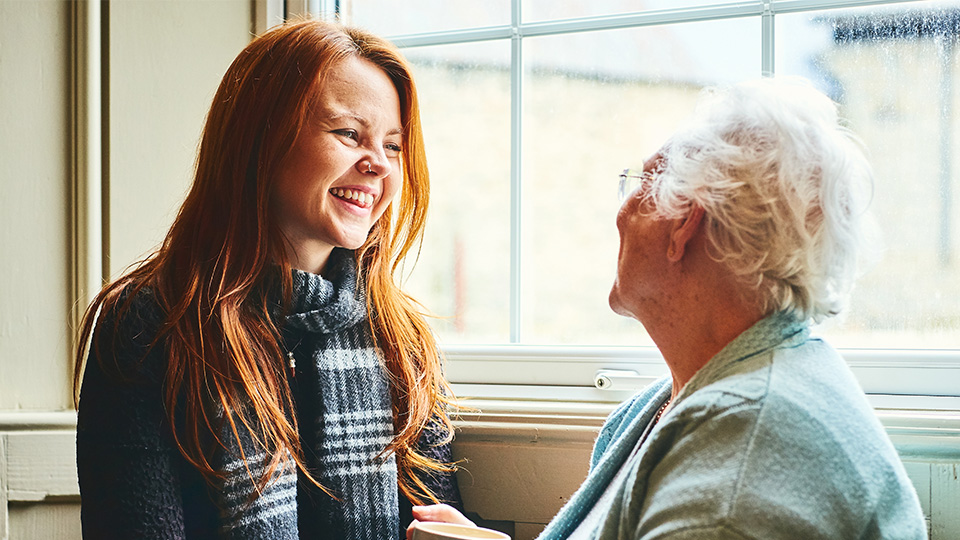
292,362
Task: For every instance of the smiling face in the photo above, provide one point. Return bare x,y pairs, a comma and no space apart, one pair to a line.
343,170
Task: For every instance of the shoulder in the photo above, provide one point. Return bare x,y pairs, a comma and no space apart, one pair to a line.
814,402
124,342
800,404
787,441
779,385
121,396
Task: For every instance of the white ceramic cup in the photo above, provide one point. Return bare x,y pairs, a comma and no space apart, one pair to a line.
431,530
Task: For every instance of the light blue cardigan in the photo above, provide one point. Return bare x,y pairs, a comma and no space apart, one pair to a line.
772,439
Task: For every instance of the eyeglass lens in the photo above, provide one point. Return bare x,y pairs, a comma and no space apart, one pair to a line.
630,180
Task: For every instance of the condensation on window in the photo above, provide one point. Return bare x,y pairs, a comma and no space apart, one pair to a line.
894,72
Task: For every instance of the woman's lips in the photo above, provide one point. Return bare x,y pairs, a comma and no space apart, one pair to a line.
353,196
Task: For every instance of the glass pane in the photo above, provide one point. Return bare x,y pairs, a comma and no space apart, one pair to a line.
546,10
895,71
463,274
392,18
594,104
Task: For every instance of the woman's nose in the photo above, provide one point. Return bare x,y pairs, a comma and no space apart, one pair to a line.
375,163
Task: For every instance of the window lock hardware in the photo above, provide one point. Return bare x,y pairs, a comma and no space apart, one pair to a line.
618,379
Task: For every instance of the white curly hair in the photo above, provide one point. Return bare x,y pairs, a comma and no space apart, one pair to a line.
784,187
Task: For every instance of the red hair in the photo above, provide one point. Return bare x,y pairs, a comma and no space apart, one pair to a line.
211,276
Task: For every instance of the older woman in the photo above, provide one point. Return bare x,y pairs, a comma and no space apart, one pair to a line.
741,232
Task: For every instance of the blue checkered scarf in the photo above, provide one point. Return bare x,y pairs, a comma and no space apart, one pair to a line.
345,419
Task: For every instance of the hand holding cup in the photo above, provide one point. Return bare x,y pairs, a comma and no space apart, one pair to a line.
443,522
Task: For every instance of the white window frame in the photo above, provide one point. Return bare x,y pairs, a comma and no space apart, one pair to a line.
902,379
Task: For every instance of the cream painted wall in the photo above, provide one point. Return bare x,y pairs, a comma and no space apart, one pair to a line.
166,60
34,204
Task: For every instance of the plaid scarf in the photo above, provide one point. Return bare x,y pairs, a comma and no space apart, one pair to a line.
345,418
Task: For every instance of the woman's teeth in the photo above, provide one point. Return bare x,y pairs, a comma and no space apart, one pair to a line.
359,197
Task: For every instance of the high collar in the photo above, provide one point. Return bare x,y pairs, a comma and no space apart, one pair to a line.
324,305
778,330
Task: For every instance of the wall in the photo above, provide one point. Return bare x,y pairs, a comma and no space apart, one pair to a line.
165,61
35,165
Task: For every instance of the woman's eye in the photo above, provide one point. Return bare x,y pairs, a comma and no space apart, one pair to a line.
347,133
392,148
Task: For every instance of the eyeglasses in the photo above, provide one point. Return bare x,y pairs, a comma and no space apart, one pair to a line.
630,181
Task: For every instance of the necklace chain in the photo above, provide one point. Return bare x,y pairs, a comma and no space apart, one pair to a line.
660,412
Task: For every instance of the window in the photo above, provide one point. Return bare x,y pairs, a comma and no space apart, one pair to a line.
532,107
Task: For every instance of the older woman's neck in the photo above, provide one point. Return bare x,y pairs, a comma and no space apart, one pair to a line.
703,315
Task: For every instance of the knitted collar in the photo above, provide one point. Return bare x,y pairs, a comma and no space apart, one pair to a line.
327,306
778,330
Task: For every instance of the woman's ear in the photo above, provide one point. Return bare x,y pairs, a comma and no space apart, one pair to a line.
684,229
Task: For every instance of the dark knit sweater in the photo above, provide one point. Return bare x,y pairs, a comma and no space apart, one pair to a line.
134,482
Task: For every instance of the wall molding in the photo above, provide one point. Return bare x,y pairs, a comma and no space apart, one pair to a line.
37,462
37,420
520,459
917,428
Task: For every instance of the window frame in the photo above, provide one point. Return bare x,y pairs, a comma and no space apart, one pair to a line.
899,378
912,379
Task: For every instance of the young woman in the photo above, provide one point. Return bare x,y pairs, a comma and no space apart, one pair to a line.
262,375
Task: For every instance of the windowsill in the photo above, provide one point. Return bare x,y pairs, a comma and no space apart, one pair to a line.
925,427
879,371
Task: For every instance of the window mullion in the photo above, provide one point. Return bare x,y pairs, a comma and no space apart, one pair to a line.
767,52
516,130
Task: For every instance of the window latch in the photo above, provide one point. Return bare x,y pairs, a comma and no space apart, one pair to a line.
619,379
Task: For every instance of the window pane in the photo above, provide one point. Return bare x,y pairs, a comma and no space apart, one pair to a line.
463,274
391,18
594,104
545,10
894,71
